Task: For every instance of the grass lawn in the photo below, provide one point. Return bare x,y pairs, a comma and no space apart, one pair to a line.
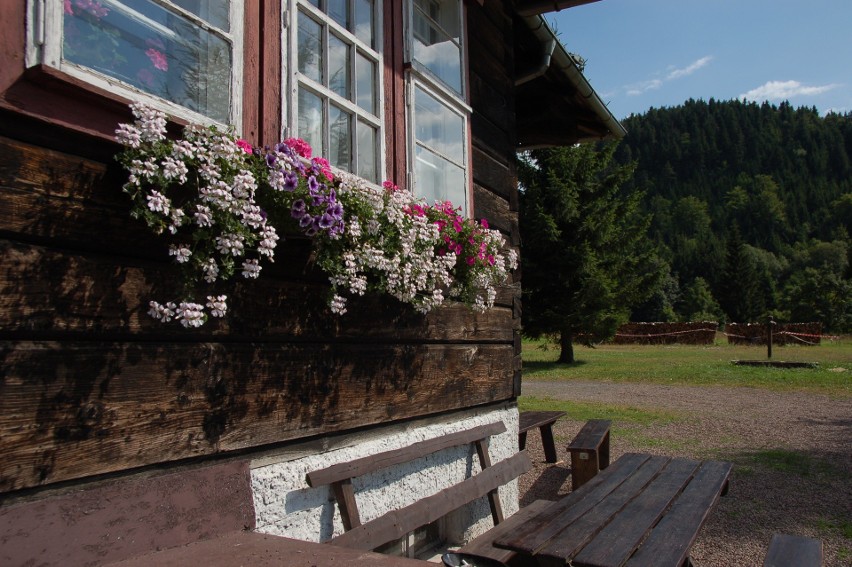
698,365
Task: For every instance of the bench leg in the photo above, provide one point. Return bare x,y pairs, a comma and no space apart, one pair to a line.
548,443
584,466
522,440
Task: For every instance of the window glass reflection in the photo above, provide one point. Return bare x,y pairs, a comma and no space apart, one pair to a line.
437,31
310,118
340,140
153,49
437,126
310,48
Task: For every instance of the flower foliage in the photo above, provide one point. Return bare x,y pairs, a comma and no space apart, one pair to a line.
222,204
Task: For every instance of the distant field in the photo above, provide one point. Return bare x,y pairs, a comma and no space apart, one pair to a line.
691,364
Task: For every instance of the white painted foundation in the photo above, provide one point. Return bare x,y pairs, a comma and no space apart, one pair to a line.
285,505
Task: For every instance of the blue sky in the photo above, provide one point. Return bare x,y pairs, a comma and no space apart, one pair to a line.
656,53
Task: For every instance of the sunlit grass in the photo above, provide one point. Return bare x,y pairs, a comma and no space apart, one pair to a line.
698,365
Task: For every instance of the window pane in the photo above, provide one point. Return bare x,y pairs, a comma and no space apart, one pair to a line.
437,29
338,66
339,11
310,48
216,12
340,152
367,152
438,127
310,120
364,21
153,49
366,85
436,179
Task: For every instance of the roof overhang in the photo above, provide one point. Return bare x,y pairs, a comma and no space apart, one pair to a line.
554,103
538,7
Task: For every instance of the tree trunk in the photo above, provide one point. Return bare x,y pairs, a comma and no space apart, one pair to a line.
566,345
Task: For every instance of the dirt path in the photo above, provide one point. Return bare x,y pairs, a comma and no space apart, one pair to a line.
792,451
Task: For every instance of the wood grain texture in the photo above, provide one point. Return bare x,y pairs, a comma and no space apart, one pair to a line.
75,409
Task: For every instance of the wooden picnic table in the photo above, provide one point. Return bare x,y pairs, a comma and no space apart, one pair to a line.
642,510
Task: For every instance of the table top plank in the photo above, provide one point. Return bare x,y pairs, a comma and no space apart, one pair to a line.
588,526
617,540
671,539
534,534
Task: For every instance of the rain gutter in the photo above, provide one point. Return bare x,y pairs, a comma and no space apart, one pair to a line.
568,67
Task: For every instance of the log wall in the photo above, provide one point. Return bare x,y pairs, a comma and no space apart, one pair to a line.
90,385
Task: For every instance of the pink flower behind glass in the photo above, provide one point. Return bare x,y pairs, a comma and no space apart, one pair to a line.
69,11
158,59
146,77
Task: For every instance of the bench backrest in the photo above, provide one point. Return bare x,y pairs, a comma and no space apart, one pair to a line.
396,523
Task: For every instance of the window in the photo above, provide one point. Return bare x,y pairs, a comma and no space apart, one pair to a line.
182,55
438,114
336,67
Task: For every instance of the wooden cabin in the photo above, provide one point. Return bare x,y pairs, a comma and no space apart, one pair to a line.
120,435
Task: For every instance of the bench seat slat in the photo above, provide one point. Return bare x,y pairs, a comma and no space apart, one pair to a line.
397,523
365,465
532,419
788,550
671,539
483,545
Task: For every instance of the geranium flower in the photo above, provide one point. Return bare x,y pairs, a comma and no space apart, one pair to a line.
158,59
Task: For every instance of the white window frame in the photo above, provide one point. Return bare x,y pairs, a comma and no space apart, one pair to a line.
293,79
44,47
420,76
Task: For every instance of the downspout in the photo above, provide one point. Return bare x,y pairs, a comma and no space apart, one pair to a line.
542,67
566,64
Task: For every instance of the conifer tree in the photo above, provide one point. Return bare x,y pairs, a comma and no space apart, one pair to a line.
586,256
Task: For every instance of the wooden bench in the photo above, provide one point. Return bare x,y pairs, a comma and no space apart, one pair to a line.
397,523
589,451
544,420
789,551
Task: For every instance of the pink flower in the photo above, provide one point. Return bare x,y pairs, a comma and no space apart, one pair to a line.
245,146
390,186
301,147
325,167
471,260
484,223
69,11
158,59
91,6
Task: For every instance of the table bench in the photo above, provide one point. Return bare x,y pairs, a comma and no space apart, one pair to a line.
589,451
643,510
544,420
793,551
397,523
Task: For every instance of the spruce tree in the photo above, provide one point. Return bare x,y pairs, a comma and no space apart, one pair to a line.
586,256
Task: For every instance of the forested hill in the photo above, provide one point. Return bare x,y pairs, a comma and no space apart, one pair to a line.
763,186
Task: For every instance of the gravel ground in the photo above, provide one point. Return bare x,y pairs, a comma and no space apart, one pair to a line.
809,494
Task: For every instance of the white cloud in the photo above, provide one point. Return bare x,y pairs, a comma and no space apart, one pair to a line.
689,69
639,88
782,90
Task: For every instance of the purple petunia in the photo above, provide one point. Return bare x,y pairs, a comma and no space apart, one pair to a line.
298,210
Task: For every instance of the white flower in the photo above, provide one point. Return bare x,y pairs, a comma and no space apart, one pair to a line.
181,253
174,169
211,270
338,305
128,135
158,202
151,122
217,305
160,312
251,269
268,241
203,216
230,244
190,314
